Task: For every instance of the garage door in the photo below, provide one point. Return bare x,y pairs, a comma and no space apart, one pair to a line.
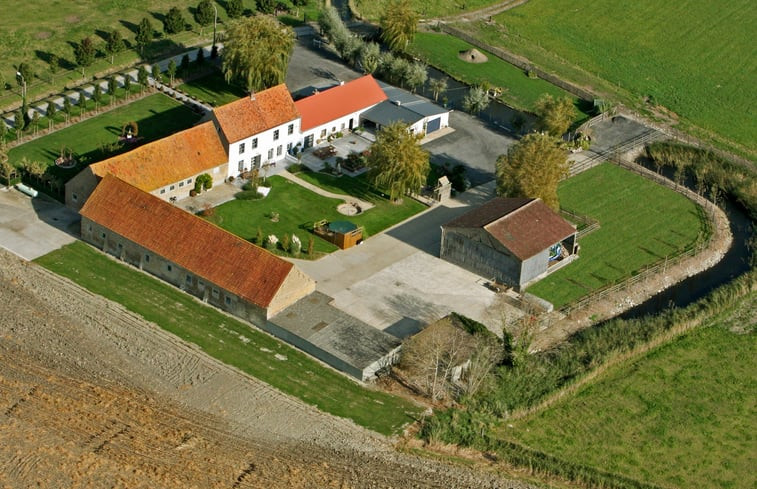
433,125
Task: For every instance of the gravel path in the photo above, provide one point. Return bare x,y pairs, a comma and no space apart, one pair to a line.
93,396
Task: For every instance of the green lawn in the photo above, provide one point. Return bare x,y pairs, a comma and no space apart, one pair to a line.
685,415
640,223
229,340
213,89
372,9
157,116
298,208
519,91
695,57
40,29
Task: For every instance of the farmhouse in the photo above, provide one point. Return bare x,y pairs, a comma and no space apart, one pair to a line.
515,241
258,130
165,168
190,253
337,109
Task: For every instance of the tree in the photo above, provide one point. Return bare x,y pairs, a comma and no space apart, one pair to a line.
174,21
127,84
67,107
3,131
144,34
417,74
142,76
397,162
27,73
204,14
476,100
256,52
84,53
234,8
35,120
97,93
54,64
112,86
51,110
370,55
398,24
555,115
267,6
7,171
114,45
18,121
184,65
157,76
532,168
33,169
171,70
438,86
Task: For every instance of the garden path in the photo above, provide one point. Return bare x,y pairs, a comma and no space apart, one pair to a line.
364,205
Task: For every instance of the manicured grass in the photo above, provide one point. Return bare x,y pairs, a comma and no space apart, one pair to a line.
39,29
682,416
519,91
229,340
640,223
373,9
645,48
298,208
375,220
213,89
157,116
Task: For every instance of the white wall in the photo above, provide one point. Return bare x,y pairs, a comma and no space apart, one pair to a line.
265,143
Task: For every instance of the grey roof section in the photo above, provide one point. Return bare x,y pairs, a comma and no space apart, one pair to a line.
387,113
335,332
402,106
415,103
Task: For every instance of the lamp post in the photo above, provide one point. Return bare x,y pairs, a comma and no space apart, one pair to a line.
23,88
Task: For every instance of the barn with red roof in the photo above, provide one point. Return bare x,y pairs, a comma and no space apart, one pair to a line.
515,241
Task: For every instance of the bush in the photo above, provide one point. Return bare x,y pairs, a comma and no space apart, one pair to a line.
203,181
249,195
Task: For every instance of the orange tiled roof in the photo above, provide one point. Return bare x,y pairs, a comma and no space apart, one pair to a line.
339,101
523,226
246,117
190,242
167,160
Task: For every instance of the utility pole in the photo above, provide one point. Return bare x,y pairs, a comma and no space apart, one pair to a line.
215,21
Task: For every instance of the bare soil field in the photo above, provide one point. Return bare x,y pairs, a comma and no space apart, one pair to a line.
92,396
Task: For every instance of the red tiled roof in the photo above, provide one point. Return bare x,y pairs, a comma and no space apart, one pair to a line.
524,226
190,242
339,101
246,117
167,160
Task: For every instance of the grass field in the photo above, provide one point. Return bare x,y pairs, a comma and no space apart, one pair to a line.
229,340
213,89
519,91
640,223
684,415
157,116
298,208
695,57
372,9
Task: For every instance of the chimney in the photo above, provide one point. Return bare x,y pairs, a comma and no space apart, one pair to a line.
341,82
397,102
252,95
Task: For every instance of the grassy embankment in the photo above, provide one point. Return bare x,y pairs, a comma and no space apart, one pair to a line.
298,208
213,89
518,90
634,232
648,50
373,9
682,416
229,340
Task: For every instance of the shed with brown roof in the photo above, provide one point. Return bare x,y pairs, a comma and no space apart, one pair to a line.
166,167
515,241
189,252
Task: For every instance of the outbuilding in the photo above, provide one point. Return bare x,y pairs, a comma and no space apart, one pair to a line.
515,241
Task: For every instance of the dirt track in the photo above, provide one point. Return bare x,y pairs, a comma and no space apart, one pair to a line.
92,396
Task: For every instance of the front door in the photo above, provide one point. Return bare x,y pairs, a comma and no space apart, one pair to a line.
308,141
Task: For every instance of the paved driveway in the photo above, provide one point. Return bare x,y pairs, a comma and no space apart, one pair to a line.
313,67
396,281
34,227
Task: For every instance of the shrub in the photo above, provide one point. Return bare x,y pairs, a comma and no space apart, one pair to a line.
271,241
248,195
296,246
203,181
286,243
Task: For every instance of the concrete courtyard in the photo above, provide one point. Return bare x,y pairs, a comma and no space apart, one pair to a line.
396,282
32,227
